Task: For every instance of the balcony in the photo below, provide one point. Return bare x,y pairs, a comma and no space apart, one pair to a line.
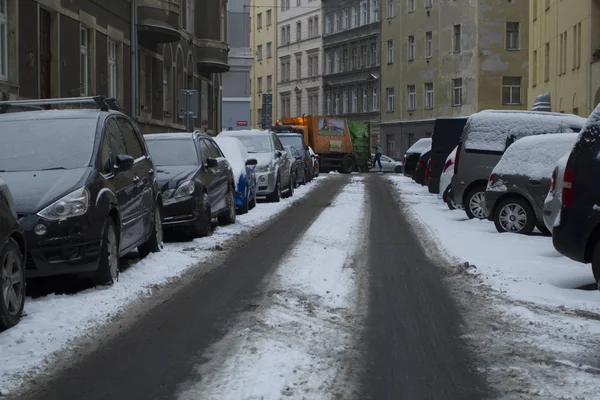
213,56
158,21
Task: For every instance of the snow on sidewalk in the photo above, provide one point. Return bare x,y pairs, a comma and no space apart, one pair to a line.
56,322
299,342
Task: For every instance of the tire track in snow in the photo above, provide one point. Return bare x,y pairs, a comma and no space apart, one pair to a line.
303,338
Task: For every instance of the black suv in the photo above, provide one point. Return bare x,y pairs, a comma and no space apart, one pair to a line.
12,261
84,186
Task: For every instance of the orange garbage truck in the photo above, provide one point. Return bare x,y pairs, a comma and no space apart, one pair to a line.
342,145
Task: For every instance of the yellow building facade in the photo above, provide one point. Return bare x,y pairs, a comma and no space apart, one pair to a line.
564,45
263,43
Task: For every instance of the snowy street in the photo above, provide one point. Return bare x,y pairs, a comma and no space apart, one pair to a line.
361,286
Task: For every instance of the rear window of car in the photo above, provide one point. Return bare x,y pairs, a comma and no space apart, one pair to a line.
173,152
45,144
494,131
293,141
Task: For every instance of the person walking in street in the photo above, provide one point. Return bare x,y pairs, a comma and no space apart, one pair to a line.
377,158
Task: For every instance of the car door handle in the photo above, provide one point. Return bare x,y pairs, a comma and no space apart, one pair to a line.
136,179
535,182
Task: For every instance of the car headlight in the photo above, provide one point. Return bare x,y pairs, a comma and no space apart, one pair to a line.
74,204
185,189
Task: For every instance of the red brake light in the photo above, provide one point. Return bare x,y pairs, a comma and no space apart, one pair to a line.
492,178
567,191
448,164
403,160
428,172
457,158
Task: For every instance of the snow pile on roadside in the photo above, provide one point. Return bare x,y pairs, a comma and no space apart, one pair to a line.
299,344
526,268
54,323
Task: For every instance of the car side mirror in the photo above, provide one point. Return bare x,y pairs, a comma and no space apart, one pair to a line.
278,153
251,161
124,163
212,163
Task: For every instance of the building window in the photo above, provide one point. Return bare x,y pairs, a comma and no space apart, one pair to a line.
374,54
346,24
457,92
112,69
329,63
269,83
457,38
354,100
374,10
345,102
365,100
269,18
511,90
429,95
298,31
411,48
364,15
298,105
390,51
146,82
512,36
336,106
411,6
338,66
258,20
190,16
391,9
259,87
298,67
3,40
365,56
259,52
329,103
355,17
428,3
167,90
389,92
269,50
328,24
285,5
534,68
298,3
85,63
428,44
412,97
547,62
338,24
310,27
375,99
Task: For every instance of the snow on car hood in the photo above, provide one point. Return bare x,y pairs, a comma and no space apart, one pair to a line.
171,176
263,158
34,190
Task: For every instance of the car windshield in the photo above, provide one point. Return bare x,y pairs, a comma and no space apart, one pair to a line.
173,152
45,144
256,143
293,141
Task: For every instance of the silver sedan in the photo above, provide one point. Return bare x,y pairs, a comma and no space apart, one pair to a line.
387,165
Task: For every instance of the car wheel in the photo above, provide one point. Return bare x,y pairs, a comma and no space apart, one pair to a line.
451,205
12,284
275,197
108,270
542,228
155,243
252,202
475,203
398,169
514,215
203,225
290,190
228,217
348,165
245,207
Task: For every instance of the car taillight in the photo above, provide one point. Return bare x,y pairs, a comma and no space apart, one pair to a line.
492,178
567,191
457,158
553,182
403,160
428,172
448,164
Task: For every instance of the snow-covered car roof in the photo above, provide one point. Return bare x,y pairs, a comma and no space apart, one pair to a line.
235,153
535,156
419,146
244,132
489,129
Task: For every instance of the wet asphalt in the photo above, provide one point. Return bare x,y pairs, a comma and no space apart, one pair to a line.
413,348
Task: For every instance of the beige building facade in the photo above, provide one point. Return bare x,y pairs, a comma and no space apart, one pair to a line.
449,59
565,54
263,44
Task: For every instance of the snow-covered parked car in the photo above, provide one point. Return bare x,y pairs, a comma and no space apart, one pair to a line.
553,203
243,170
315,161
412,155
520,182
446,179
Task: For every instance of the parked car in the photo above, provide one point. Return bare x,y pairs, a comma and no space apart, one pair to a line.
387,164
421,169
412,155
520,182
296,140
553,204
315,161
298,165
243,169
12,261
486,136
84,187
445,179
274,164
576,234
196,182
445,138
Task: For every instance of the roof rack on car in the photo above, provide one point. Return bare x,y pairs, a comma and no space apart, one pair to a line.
102,102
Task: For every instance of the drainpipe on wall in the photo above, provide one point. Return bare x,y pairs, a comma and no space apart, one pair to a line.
134,60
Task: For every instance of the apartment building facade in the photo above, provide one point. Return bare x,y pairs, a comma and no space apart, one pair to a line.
565,54
449,59
263,43
236,88
352,61
68,49
299,53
